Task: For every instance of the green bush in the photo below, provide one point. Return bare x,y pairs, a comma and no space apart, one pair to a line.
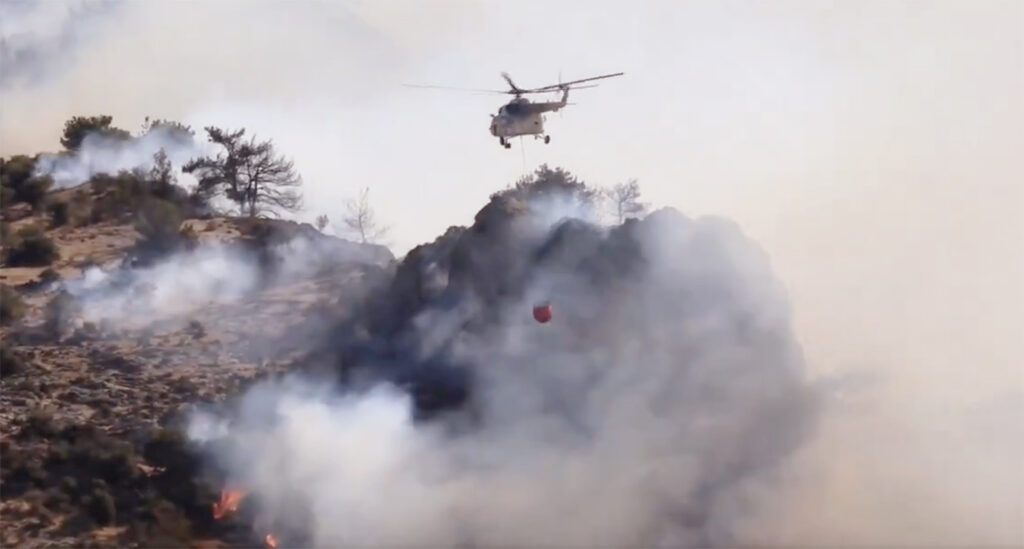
31,248
75,212
34,191
16,170
159,223
59,213
12,307
20,185
118,196
6,196
77,128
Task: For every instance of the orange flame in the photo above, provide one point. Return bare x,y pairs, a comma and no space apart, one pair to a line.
270,540
229,500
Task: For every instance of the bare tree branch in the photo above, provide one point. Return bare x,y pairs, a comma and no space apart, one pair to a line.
625,198
360,219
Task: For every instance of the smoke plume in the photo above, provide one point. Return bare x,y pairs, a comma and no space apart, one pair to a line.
664,394
101,153
174,286
37,39
180,284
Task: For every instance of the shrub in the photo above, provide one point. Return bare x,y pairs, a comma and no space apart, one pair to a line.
39,424
163,525
119,196
60,452
101,507
12,307
48,275
545,181
19,184
15,171
21,472
56,499
59,214
34,191
69,485
77,128
11,362
159,223
35,498
195,329
80,208
76,211
32,248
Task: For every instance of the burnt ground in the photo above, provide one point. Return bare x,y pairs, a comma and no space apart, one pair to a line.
92,453
90,418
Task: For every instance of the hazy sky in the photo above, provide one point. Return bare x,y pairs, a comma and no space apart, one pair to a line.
873,148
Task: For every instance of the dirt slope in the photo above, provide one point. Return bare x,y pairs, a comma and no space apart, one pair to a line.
88,410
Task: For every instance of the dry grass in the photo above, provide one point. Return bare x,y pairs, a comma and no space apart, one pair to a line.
76,412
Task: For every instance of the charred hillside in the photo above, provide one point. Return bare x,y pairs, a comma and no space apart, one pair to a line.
669,377
538,242
127,299
175,354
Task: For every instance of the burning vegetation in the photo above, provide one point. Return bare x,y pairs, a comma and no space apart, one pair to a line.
126,300
665,393
230,499
503,384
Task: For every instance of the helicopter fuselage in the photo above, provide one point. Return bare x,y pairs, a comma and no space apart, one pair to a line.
520,117
504,125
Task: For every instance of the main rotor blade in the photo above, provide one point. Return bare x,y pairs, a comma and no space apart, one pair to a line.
564,84
555,89
455,89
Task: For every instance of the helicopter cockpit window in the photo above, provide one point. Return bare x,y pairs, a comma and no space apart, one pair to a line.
512,109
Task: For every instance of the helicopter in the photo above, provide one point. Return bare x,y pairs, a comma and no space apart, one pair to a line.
521,117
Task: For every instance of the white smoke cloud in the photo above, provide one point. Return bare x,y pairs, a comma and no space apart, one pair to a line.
177,285
213,273
38,39
647,413
99,153
885,191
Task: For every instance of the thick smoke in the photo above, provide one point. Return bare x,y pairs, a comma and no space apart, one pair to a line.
101,153
174,286
127,296
667,391
37,39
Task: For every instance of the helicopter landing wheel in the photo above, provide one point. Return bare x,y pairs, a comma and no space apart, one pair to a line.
508,145
547,139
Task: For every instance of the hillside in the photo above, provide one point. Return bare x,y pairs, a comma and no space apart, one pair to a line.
173,376
106,344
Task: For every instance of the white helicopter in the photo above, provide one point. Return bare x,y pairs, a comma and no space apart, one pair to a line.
521,117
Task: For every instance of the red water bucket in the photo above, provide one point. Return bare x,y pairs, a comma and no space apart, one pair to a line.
542,313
